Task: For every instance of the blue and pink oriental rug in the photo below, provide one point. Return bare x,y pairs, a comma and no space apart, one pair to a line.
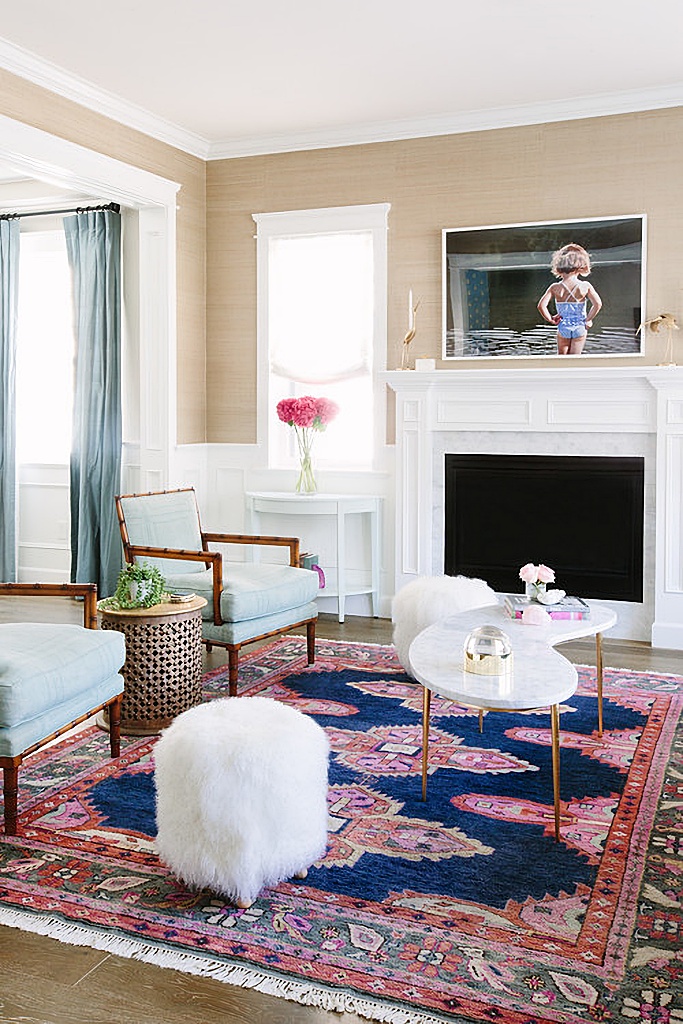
463,908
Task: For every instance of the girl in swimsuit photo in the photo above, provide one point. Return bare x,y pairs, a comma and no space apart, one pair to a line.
570,263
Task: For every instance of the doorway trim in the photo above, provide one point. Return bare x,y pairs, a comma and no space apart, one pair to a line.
60,162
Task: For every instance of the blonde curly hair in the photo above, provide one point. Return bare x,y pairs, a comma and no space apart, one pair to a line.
571,258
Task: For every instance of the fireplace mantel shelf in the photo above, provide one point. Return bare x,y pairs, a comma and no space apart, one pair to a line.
556,409
559,375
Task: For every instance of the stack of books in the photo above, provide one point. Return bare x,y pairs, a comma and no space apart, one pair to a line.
567,608
307,560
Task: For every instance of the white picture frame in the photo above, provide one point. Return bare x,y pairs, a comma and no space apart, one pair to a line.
493,278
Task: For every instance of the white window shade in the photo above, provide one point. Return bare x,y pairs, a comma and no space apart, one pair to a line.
321,306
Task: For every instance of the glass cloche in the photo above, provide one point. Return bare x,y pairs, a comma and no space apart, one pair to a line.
488,652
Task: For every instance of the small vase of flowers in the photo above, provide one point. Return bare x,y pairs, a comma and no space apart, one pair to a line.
536,579
308,416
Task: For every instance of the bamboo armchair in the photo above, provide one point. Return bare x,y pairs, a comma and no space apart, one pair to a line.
246,601
52,677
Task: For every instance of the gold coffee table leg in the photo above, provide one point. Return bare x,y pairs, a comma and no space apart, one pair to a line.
598,666
481,720
555,730
426,703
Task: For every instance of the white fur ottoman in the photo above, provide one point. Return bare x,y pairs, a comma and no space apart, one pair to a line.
429,599
241,791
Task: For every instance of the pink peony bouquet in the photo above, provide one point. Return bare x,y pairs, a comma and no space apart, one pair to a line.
306,415
531,573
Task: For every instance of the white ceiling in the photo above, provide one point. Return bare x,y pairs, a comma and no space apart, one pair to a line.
221,77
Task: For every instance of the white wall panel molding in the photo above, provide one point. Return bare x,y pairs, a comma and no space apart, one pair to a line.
43,547
601,414
490,411
408,495
673,516
674,412
411,411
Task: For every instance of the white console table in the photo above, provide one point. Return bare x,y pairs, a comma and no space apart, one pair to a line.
340,506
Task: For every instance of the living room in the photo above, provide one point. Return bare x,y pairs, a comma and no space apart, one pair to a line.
198,415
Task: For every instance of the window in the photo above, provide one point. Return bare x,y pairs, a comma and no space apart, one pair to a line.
322,326
45,350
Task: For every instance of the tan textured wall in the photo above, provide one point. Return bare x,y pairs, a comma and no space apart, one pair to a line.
35,106
598,167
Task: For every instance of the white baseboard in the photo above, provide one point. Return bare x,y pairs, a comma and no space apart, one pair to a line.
668,635
36,575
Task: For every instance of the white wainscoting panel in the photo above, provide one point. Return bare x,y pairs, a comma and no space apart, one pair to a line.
44,549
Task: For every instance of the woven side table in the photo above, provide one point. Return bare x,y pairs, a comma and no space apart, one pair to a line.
163,669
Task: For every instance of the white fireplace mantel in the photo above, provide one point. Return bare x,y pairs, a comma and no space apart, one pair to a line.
562,410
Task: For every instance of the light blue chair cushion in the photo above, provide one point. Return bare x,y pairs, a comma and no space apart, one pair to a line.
252,590
167,520
241,632
50,675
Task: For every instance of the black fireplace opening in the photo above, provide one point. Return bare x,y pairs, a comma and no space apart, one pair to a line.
580,515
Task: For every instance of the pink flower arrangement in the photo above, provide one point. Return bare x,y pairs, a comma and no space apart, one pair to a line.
531,573
306,414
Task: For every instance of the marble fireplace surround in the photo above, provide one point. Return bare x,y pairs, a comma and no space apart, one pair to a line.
560,410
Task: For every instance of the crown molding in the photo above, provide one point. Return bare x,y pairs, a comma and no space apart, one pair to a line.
603,105
47,75
41,72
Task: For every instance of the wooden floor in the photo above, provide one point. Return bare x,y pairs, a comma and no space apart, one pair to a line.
47,982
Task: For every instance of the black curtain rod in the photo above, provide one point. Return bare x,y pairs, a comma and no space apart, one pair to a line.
49,213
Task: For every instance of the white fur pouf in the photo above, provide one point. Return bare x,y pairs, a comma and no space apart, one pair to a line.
241,791
427,600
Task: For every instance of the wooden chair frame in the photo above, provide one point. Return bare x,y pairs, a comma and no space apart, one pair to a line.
10,765
215,560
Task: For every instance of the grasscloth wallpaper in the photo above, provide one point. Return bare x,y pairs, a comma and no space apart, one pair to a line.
597,167
591,168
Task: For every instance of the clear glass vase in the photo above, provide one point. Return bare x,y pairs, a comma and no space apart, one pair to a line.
532,590
306,483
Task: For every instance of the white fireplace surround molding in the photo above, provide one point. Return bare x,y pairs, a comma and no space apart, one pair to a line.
573,410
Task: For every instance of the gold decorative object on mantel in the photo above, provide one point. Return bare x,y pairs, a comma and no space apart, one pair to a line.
412,311
668,322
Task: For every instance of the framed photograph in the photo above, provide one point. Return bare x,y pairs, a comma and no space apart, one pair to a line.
561,288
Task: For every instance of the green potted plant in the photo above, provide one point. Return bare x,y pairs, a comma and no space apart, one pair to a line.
139,586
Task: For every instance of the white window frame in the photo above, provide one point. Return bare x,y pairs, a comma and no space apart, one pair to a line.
369,217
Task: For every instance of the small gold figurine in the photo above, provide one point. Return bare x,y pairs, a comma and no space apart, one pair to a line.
667,320
412,311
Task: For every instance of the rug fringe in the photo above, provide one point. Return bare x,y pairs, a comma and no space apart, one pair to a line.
305,993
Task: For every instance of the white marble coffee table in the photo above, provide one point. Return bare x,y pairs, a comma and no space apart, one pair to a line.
541,677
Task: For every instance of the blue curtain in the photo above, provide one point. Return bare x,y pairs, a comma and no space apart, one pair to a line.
9,297
93,243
